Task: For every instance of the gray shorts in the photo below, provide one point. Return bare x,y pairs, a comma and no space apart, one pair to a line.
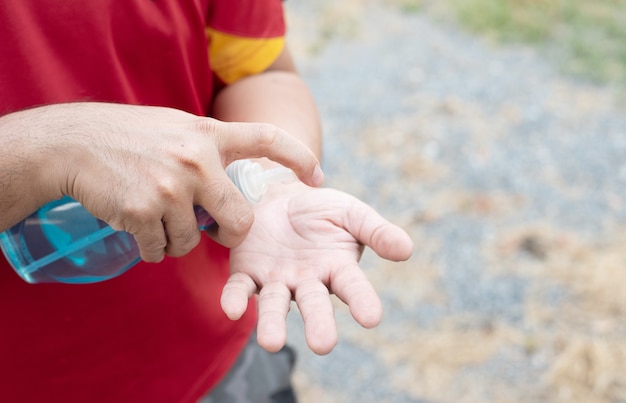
257,377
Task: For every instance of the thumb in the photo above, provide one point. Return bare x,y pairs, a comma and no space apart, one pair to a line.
388,240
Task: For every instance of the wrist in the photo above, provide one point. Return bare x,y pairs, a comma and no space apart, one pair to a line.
29,166
55,130
36,149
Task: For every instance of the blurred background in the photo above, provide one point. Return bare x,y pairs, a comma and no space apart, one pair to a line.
494,132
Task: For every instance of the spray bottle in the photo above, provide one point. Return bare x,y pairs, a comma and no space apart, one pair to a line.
63,243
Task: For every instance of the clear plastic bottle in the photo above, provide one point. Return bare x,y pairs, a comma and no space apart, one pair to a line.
63,243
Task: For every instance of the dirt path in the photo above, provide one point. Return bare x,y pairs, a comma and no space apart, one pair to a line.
511,180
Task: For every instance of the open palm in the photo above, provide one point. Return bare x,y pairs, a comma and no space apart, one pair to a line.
304,247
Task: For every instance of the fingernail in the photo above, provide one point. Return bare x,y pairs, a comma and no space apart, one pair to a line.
318,176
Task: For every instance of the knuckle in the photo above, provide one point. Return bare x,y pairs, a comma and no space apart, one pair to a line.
242,222
219,193
206,126
153,243
136,218
189,237
276,295
152,249
151,203
167,188
310,295
237,214
192,160
267,135
185,241
134,214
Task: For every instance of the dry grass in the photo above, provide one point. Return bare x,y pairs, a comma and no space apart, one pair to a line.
585,331
589,370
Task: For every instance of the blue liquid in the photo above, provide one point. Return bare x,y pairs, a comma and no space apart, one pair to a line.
63,243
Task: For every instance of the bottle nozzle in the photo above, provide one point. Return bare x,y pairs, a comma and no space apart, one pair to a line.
252,180
277,175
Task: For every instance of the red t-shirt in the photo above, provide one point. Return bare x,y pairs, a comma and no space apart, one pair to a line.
156,333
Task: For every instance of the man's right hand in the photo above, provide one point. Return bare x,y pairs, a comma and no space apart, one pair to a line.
141,169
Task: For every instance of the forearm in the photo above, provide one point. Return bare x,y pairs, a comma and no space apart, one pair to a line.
26,159
277,97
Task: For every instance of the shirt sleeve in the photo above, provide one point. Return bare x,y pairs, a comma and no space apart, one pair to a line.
245,37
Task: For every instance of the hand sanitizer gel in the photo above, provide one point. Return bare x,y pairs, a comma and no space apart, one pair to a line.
63,243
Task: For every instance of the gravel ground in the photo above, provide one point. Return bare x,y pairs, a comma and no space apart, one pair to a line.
511,179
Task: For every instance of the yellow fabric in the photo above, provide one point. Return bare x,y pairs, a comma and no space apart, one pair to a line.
233,57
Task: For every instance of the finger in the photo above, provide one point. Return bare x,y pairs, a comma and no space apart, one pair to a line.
255,140
274,301
318,314
228,207
351,286
151,242
386,239
235,295
181,231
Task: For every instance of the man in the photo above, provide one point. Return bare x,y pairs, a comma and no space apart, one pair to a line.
105,101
